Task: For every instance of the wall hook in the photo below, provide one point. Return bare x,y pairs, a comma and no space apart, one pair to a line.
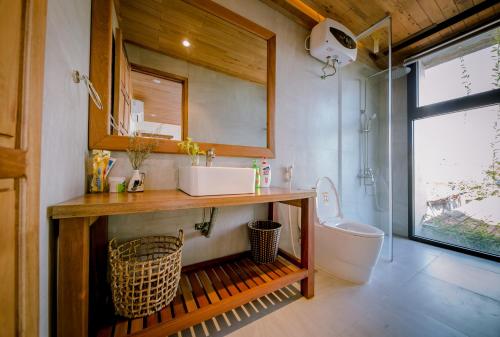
77,78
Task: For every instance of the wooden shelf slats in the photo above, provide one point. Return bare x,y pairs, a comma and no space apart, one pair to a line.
206,292
244,276
235,278
178,305
187,294
219,287
207,285
165,314
137,324
121,328
201,299
233,290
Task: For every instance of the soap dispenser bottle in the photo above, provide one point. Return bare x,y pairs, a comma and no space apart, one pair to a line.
265,173
257,173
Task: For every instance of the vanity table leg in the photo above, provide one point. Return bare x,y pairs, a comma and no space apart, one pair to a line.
73,277
272,211
307,246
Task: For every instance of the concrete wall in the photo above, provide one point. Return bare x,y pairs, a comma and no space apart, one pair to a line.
223,109
307,111
64,124
400,157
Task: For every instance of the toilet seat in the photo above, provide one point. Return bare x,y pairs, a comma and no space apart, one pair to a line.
329,214
353,228
327,201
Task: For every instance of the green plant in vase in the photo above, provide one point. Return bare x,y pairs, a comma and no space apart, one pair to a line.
192,149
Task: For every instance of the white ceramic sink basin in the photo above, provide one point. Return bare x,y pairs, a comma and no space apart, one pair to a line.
200,180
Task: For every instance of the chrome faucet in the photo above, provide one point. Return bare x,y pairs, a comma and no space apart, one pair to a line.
210,157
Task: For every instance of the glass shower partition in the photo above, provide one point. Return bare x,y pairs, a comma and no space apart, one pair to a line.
365,133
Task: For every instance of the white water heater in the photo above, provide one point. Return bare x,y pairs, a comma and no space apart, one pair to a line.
330,40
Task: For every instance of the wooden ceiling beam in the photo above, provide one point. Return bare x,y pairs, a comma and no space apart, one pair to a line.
296,14
435,28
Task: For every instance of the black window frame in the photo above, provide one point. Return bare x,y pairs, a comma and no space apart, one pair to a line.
416,112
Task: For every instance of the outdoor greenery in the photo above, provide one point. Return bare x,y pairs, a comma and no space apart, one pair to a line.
459,229
454,226
489,186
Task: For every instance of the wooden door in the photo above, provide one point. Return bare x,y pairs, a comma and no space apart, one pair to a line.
22,39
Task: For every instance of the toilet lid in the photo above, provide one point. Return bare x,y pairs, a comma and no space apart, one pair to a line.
326,203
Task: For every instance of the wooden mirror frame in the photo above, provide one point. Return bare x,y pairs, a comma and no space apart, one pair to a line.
101,61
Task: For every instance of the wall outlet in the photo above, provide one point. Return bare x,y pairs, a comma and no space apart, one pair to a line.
288,173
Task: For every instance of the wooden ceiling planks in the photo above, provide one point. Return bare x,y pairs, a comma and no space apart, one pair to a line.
162,98
409,17
215,43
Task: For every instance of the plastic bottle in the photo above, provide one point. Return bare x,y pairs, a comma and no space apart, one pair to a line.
257,173
265,173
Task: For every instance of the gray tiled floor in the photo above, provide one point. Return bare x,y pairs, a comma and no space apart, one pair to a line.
426,291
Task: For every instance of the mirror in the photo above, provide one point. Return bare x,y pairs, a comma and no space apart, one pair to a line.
178,69
158,105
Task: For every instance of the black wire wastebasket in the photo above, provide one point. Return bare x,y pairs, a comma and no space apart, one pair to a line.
264,238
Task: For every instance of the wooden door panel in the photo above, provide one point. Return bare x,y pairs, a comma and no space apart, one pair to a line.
11,26
8,258
22,41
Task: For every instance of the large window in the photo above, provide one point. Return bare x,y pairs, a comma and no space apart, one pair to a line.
454,127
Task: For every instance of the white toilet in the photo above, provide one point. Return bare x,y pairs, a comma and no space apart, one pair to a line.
346,249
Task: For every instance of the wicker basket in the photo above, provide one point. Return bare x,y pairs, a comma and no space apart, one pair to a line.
264,240
145,274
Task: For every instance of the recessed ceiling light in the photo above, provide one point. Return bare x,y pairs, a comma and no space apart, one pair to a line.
186,43
157,81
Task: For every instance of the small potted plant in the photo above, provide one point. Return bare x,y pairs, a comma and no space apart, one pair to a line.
138,151
192,149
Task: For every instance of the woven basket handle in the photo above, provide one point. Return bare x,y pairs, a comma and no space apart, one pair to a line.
112,245
181,236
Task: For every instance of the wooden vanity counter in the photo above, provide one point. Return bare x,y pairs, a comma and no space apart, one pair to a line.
81,261
99,204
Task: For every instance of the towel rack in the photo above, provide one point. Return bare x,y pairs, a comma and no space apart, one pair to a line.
77,78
